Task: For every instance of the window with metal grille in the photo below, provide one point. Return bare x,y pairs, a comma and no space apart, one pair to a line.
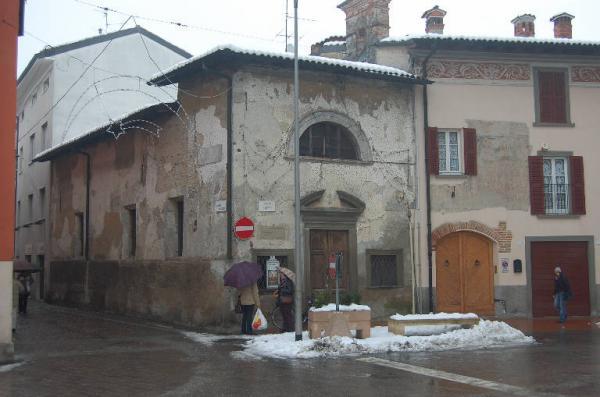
556,185
328,140
384,269
450,149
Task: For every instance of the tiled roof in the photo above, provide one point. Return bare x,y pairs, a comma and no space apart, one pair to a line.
169,75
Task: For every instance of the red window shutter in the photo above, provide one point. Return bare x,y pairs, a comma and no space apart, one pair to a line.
470,151
577,186
552,97
433,152
536,185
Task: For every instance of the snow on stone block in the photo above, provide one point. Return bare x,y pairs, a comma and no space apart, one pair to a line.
430,324
343,308
355,318
486,334
434,316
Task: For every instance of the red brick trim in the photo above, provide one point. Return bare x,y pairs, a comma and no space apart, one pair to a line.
500,235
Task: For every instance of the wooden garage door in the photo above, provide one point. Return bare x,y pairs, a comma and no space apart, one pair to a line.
464,274
573,259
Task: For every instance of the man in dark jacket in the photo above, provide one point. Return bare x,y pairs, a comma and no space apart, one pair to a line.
562,292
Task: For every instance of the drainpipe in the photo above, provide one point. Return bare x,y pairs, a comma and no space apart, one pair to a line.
229,165
427,176
86,248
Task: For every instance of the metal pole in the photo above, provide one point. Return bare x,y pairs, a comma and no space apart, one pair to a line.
297,230
338,270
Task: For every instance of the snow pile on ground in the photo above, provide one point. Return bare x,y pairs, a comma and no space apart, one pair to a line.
343,308
484,335
209,339
434,316
8,367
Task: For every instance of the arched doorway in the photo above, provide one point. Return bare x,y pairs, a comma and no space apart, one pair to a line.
464,273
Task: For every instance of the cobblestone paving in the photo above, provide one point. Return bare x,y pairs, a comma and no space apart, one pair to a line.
67,352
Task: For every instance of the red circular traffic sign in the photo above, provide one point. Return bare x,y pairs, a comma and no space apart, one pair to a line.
244,228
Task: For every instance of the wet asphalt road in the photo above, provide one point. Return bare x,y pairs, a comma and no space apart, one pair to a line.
66,352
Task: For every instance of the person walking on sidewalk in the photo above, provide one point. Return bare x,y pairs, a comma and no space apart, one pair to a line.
248,298
15,305
26,281
562,292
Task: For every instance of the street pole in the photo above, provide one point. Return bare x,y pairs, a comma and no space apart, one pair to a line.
297,230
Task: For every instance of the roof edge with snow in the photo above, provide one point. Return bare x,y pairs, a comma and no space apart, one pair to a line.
228,54
504,44
107,130
59,49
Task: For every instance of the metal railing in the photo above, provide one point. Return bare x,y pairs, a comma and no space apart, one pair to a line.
556,199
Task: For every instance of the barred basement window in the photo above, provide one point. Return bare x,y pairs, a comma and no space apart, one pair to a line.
385,269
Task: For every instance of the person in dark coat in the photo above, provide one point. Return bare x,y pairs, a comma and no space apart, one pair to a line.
285,294
25,280
562,292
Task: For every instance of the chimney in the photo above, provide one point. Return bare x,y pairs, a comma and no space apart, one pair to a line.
524,25
562,25
367,22
434,20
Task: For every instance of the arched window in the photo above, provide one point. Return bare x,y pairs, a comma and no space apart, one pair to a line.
328,140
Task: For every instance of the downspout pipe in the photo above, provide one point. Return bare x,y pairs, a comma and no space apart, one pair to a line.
229,164
427,176
88,173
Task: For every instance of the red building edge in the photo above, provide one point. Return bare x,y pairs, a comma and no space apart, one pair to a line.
11,18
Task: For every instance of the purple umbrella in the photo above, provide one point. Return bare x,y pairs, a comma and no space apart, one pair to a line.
242,274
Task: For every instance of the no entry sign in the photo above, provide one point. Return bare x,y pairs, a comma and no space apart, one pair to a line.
244,228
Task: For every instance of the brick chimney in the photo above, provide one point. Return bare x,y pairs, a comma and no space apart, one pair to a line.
524,25
434,20
367,22
562,25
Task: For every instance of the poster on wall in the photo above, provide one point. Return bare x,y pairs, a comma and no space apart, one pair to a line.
272,270
504,265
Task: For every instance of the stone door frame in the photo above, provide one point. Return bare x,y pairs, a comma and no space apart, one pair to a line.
332,218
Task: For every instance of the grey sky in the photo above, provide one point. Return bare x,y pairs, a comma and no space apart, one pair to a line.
260,23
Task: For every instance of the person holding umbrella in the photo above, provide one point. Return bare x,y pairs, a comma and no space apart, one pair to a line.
243,276
285,294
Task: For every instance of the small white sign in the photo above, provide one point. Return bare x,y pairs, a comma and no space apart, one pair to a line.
272,266
220,206
266,206
504,265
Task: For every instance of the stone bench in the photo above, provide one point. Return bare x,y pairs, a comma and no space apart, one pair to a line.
398,326
332,323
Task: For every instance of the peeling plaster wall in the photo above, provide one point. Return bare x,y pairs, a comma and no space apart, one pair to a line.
188,162
263,169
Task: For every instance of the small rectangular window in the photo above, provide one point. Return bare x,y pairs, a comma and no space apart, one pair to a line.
385,269
132,219
43,137
42,203
46,85
31,147
179,225
30,208
556,185
450,150
79,224
21,159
